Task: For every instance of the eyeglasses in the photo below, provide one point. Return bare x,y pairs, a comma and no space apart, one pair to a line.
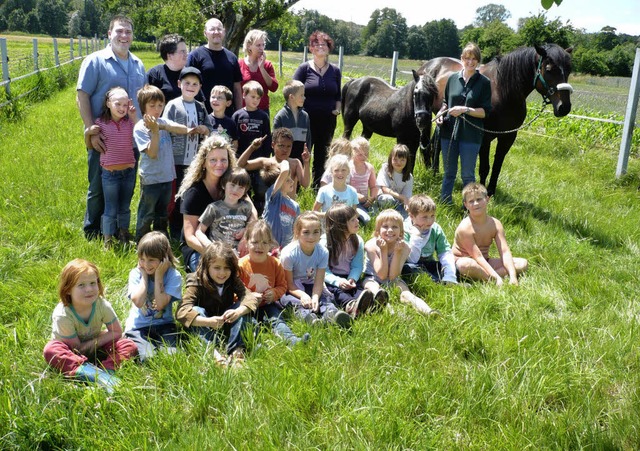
182,52
215,30
320,44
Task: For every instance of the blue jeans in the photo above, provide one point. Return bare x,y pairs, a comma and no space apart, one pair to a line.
95,198
468,153
152,208
388,201
271,313
117,187
363,214
150,339
233,332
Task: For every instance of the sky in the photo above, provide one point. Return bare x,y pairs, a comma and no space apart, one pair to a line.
590,15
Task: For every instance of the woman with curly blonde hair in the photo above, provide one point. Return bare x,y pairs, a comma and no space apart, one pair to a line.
200,187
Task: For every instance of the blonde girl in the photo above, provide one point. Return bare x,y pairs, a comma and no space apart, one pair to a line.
154,285
362,177
386,252
78,342
265,277
305,263
395,180
216,303
338,191
346,260
339,146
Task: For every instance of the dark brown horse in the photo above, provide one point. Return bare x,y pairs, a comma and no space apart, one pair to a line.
403,113
544,68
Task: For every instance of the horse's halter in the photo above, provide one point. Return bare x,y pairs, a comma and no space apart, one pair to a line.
551,90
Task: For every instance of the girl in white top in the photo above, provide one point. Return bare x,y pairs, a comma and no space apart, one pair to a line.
395,180
363,177
386,253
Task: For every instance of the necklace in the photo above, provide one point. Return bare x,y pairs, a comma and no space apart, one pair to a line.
320,69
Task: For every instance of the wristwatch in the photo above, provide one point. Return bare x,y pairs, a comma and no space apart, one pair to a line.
468,109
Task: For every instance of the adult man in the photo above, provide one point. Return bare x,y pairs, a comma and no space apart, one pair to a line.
99,72
218,65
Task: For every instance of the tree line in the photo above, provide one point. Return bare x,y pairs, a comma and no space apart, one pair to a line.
601,53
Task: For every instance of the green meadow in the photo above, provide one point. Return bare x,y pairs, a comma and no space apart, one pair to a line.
553,363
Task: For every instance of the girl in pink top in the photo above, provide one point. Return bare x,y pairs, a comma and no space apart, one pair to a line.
362,177
118,163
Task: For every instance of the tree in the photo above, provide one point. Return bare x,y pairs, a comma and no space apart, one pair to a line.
494,39
385,33
546,4
441,39
538,29
491,12
52,15
417,43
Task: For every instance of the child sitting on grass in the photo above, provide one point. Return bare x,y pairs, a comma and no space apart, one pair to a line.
216,304
154,285
337,191
474,237
79,347
426,238
264,276
386,253
305,263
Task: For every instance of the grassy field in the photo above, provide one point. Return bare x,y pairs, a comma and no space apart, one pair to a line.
551,364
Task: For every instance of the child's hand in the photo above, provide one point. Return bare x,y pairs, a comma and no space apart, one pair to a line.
315,304
151,123
305,300
202,130
133,113
306,155
163,267
499,281
239,234
216,322
269,295
347,284
513,280
231,316
381,243
93,140
256,143
192,131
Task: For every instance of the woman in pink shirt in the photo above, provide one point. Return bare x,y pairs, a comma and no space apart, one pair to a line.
254,66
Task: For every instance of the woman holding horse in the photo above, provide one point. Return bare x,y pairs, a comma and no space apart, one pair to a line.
322,82
255,66
467,100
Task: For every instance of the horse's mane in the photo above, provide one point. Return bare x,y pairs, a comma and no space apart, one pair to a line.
430,84
516,69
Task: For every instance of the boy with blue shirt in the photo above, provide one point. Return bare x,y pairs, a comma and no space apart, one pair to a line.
221,98
426,238
157,171
280,210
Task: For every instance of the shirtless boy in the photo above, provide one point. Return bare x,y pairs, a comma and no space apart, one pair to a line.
474,237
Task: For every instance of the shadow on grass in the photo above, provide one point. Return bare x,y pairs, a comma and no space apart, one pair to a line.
522,210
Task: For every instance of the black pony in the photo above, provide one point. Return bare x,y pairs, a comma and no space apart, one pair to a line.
403,113
513,76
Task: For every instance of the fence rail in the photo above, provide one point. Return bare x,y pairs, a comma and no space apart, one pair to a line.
24,67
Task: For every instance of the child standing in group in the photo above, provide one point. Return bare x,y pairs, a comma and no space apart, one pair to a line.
154,285
225,220
293,117
157,170
386,253
216,303
339,146
474,237
346,260
305,262
118,164
220,100
78,342
280,210
265,277
188,111
336,192
425,237
363,177
395,180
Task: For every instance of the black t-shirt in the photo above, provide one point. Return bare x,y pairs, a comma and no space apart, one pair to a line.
194,202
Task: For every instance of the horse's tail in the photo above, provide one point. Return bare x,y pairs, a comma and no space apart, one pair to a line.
343,95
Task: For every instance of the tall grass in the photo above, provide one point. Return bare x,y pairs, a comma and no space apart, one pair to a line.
551,364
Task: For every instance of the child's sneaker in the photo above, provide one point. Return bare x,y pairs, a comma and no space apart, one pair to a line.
311,319
295,340
340,317
380,300
359,306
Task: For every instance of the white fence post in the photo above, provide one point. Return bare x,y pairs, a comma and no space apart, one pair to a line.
70,49
35,54
5,66
394,67
629,118
280,57
304,54
340,57
79,45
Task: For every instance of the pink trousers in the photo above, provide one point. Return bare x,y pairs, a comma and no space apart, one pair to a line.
61,357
